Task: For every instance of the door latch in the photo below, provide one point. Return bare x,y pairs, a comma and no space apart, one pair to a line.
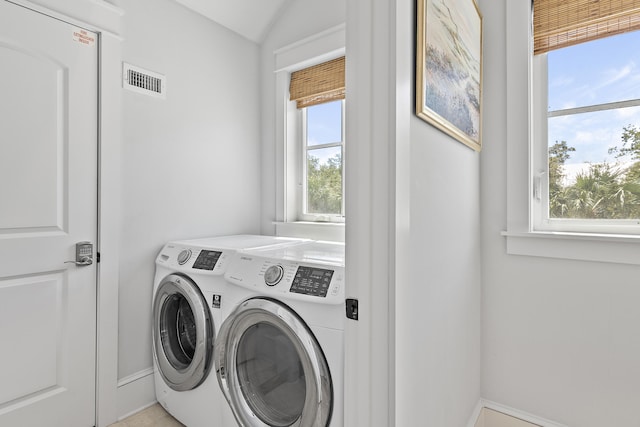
352,308
84,254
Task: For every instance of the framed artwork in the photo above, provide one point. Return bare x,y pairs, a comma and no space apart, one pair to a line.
449,68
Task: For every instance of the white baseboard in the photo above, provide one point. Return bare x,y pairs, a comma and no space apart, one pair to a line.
477,417
135,393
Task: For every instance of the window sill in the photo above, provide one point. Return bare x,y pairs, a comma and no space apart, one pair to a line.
331,231
612,248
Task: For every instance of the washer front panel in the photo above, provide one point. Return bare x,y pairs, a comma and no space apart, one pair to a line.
182,333
271,368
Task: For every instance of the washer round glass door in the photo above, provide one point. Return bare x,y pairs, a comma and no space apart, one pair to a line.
182,333
271,368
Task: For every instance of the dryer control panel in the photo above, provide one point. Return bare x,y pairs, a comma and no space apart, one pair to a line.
320,283
312,281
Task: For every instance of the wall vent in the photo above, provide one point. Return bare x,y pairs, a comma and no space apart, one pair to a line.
143,81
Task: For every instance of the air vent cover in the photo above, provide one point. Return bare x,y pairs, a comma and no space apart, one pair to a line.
143,81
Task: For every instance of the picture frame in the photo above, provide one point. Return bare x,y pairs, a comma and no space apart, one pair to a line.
449,68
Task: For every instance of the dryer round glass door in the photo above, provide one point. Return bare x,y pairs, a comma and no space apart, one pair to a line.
271,368
182,333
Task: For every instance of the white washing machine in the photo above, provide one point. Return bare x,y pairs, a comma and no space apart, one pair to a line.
188,296
279,357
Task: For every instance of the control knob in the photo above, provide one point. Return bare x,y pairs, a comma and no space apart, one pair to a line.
184,256
273,275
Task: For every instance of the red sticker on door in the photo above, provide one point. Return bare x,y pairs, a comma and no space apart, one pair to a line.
84,36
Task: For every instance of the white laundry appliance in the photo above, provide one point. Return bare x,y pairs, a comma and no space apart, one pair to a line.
279,357
188,296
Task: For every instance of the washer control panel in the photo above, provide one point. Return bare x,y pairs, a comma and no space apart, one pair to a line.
207,260
189,258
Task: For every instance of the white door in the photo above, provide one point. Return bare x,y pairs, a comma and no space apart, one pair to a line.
48,202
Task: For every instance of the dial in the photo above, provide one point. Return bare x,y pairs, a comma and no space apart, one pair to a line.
184,256
273,275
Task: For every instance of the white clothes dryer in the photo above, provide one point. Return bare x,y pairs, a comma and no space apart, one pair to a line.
279,357
188,296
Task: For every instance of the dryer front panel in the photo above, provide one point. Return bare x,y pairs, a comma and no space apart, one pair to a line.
182,333
271,368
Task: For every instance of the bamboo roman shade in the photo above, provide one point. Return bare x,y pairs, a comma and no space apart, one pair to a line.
317,84
561,23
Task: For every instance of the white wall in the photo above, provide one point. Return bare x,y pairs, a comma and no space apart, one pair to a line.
560,337
438,309
191,162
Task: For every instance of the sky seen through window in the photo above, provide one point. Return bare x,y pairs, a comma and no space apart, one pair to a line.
597,72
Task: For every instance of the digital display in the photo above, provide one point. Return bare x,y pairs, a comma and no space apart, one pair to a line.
312,281
207,260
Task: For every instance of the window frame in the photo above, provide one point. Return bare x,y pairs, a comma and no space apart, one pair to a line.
302,214
541,221
521,237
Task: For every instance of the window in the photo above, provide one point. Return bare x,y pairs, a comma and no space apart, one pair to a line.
287,142
586,116
318,93
322,178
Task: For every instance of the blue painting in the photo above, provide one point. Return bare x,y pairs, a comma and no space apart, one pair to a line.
449,68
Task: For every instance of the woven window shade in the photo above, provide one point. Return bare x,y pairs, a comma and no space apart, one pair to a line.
317,84
561,23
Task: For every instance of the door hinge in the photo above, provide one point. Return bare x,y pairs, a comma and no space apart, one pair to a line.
97,256
351,305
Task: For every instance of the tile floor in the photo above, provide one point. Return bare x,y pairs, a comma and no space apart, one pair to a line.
156,416
153,416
